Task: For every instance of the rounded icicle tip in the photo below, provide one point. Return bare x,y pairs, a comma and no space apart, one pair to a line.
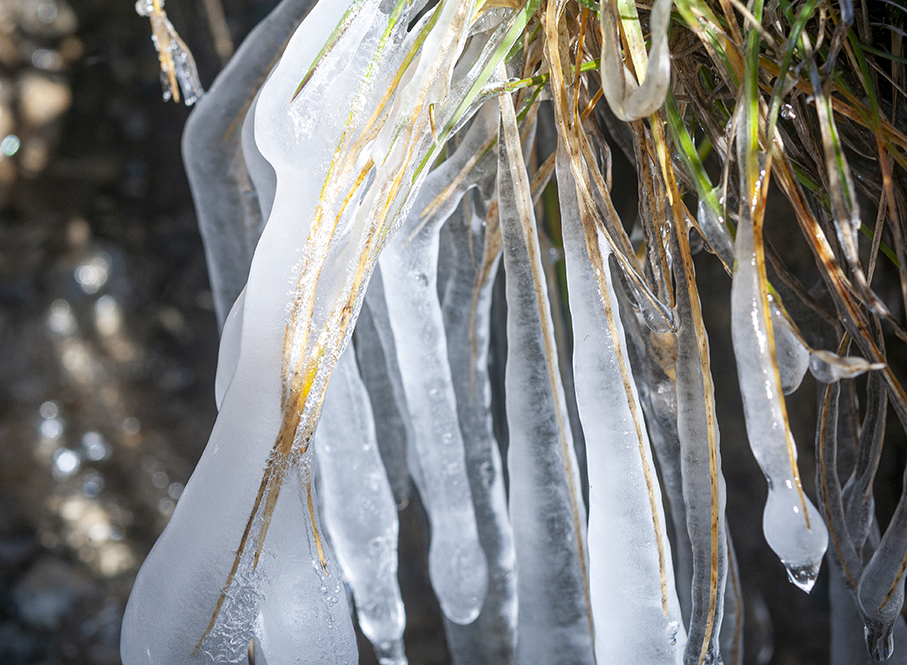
799,540
879,640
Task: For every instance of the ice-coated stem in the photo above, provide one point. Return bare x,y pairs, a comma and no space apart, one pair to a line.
635,607
546,507
466,308
791,523
634,601
646,351
225,203
704,489
359,508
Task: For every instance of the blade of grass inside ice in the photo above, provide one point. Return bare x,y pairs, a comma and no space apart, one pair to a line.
791,523
482,71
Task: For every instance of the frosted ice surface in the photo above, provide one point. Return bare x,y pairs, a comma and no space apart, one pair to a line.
229,219
360,512
634,605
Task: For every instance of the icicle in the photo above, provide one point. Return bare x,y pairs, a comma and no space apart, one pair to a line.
657,395
466,308
637,616
360,513
828,367
704,490
178,70
791,522
546,507
390,429
457,565
177,606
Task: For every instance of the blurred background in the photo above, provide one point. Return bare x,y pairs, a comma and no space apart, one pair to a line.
108,344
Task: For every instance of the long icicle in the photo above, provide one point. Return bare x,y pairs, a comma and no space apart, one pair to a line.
703,482
791,523
546,506
359,508
466,307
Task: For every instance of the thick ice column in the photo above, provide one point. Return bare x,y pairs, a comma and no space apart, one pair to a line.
228,213
466,307
359,509
637,616
546,504
211,578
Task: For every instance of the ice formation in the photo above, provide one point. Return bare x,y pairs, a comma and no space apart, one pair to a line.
378,177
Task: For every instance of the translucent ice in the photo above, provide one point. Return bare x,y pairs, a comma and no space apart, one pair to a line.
457,564
792,525
704,489
793,358
359,508
546,506
466,309
635,607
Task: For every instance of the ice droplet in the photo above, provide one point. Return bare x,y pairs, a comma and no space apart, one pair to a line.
880,643
803,576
